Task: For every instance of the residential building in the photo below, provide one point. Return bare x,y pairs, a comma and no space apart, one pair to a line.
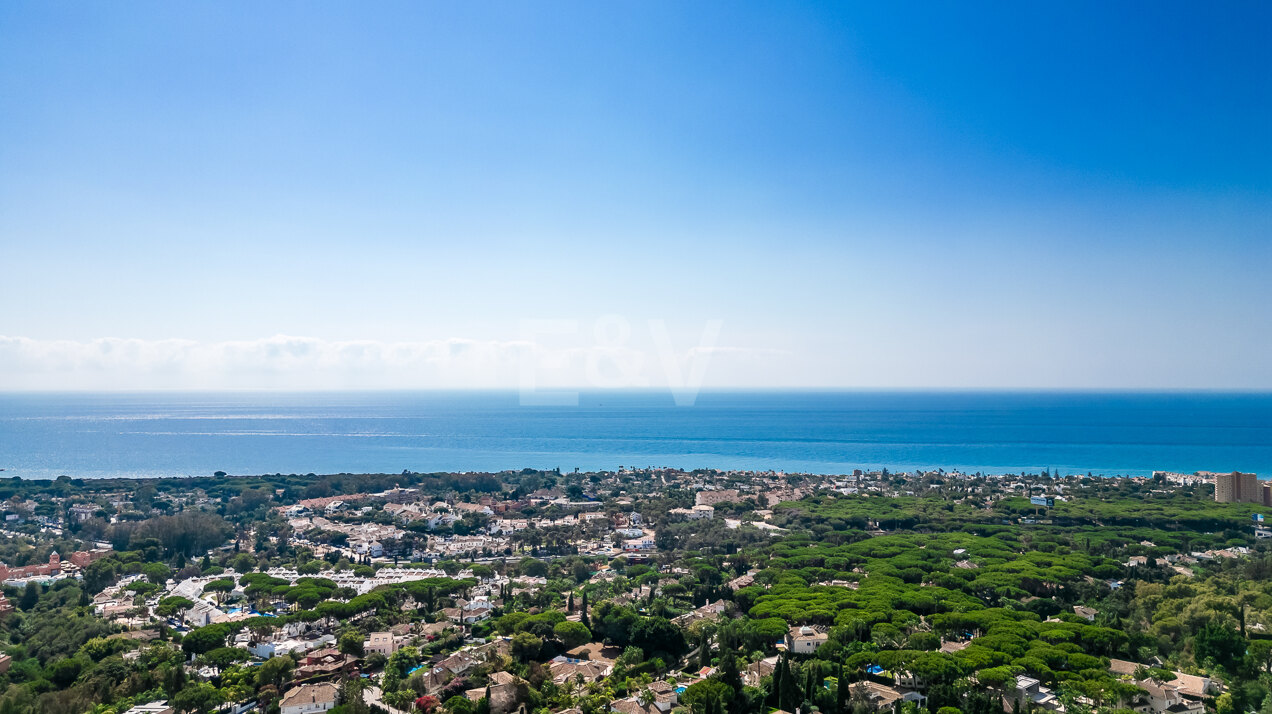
711,498
664,698
309,699
84,511
458,663
54,567
1030,693
710,611
881,697
503,694
84,558
643,543
909,680
1169,699
380,642
159,706
759,669
325,662
952,646
805,639
1237,487
1185,694
201,613
1085,612
565,670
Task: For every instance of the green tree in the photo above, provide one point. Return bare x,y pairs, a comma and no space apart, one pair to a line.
572,634
351,643
707,697
170,606
395,668
65,671
274,671
174,679
157,573
788,696
223,657
1260,654
729,674
459,704
206,638
350,697
841,691
197,698
30,596
1220,642
997,677
526,646
220,586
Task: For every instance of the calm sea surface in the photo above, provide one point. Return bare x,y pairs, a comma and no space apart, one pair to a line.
169,434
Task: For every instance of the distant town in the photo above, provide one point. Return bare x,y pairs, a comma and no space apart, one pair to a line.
636,591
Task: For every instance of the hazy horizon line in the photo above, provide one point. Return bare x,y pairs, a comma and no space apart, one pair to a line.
583,389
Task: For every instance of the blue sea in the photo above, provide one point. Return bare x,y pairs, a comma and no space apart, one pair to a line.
196,434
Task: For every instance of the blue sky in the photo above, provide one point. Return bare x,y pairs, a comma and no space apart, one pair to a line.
879,195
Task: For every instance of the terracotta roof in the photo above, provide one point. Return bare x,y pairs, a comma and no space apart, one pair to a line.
309,694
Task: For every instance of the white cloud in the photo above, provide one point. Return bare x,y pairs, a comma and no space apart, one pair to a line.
291,362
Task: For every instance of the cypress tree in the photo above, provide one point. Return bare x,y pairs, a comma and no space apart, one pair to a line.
790,688
841,691
729,674
777,683
30,596
175,680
